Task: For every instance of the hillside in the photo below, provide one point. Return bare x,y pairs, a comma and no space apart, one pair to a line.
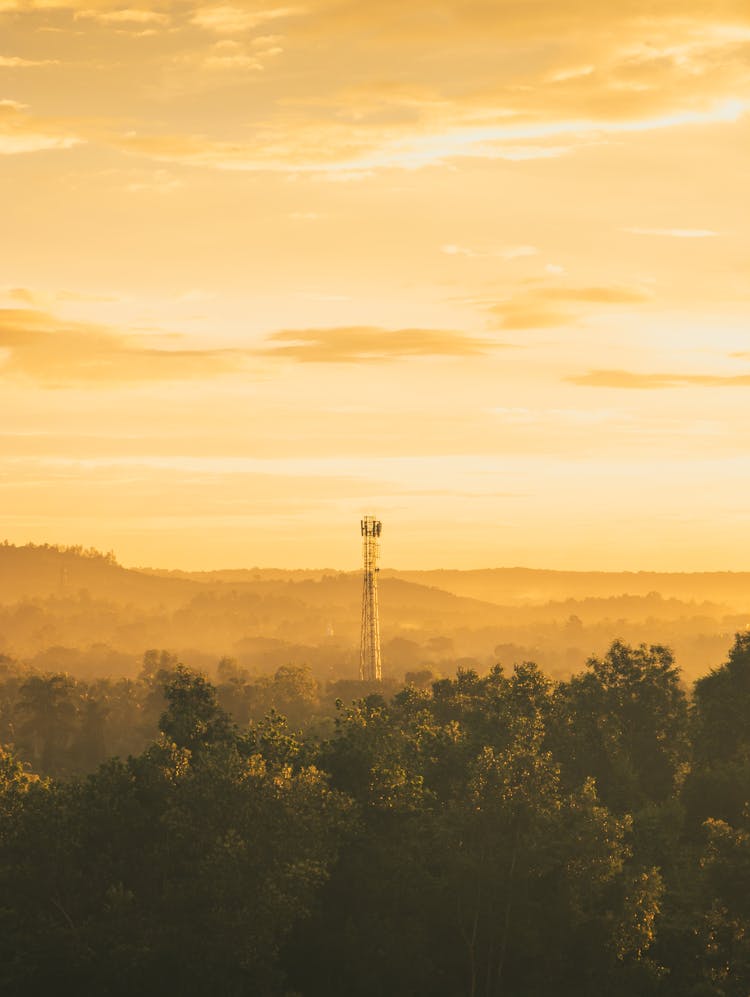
33,571
529,586
79,610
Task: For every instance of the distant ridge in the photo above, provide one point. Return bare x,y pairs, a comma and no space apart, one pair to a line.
528,586
518,586
73,607
44,570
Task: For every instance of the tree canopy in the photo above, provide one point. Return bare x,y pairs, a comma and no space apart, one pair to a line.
480,835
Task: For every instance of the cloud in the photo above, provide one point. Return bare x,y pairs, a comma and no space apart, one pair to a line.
675,233
229,54
357,344
596,295
16,62
54,352
520,315
632,379
319,142
626,69
229,20
37,345
575,73
545,307
42,300
20,132
124,16
507,253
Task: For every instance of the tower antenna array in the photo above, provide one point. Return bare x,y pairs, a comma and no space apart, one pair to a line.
369,652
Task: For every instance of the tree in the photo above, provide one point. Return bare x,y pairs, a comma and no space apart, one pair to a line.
725,926
474,871
14,785
719,785
46,722
193,718
182,870
624,722
722,707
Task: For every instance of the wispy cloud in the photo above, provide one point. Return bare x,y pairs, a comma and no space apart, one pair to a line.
594,295
225,19
605,82
124,16
41,301
20,132
17,62
633,379
358,344
37,345
504,253
322,140
54,352
675,233
229,54
543,307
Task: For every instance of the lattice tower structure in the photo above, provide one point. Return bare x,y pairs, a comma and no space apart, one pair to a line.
370,669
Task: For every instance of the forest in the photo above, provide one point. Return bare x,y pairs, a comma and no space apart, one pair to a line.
493,833
77,610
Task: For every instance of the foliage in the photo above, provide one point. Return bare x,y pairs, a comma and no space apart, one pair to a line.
480,835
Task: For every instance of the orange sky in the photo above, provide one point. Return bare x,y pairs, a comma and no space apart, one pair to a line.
479,268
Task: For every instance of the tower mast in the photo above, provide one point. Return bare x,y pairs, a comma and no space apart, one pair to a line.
369,652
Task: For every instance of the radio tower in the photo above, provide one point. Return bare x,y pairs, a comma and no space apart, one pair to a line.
369,652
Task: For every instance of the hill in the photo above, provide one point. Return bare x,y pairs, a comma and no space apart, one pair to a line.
81,611
529,586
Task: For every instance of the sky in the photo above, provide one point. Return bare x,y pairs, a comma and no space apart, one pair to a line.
477,268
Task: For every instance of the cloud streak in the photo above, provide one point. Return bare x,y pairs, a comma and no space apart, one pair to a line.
369,344
20,132
401,111
305,145
545,307
127,16
675,233
37,346
225,19
507,253
17,62
55,353
651,381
